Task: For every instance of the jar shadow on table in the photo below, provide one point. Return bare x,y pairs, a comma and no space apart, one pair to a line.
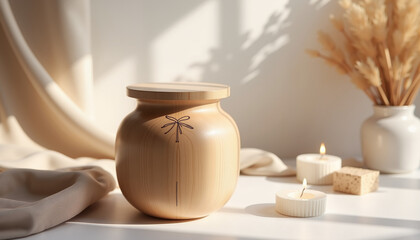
115,209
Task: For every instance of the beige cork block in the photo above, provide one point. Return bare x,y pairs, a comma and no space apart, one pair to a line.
355,180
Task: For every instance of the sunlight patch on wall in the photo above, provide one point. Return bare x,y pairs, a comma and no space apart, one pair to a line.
319,3
117,78
82,84
269,49
261,55
185,43
262,24
255,17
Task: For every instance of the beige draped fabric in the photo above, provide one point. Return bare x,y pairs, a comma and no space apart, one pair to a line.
46,78
262,163
46,120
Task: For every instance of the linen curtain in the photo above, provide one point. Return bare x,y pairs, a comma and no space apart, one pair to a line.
46,78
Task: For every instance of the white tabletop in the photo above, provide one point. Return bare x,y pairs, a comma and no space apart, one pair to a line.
389,213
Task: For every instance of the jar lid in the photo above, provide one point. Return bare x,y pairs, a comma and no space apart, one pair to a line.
178,91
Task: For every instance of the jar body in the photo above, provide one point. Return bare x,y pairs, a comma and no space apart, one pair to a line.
178,159
391,139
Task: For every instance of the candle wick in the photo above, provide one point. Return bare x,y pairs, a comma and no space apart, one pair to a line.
321,156
302,192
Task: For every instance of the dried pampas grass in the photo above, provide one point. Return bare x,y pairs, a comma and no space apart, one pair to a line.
381,48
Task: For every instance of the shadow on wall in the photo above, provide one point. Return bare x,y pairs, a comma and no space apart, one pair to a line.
239,56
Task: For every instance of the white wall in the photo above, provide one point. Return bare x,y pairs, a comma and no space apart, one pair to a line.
282,100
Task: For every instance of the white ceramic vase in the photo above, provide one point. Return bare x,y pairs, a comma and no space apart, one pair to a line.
391,139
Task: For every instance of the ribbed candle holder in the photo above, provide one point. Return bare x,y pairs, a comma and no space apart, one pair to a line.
317,169
311,204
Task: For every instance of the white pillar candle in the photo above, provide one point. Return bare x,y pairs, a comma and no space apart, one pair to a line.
295,204
317,168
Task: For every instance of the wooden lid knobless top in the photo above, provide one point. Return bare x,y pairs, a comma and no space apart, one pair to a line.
178,91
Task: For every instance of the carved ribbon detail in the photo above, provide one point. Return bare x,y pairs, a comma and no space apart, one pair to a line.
178,123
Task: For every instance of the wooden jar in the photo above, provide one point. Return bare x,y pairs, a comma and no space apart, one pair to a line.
177,153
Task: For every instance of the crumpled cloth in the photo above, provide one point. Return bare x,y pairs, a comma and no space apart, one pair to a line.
34,200
16,156
262,163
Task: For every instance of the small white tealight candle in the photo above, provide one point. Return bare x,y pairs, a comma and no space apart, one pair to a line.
317,168
303,203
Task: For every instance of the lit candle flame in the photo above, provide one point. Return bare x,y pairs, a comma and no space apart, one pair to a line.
304,187
322,149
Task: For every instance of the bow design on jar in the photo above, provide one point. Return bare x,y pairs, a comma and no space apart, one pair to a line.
178,123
